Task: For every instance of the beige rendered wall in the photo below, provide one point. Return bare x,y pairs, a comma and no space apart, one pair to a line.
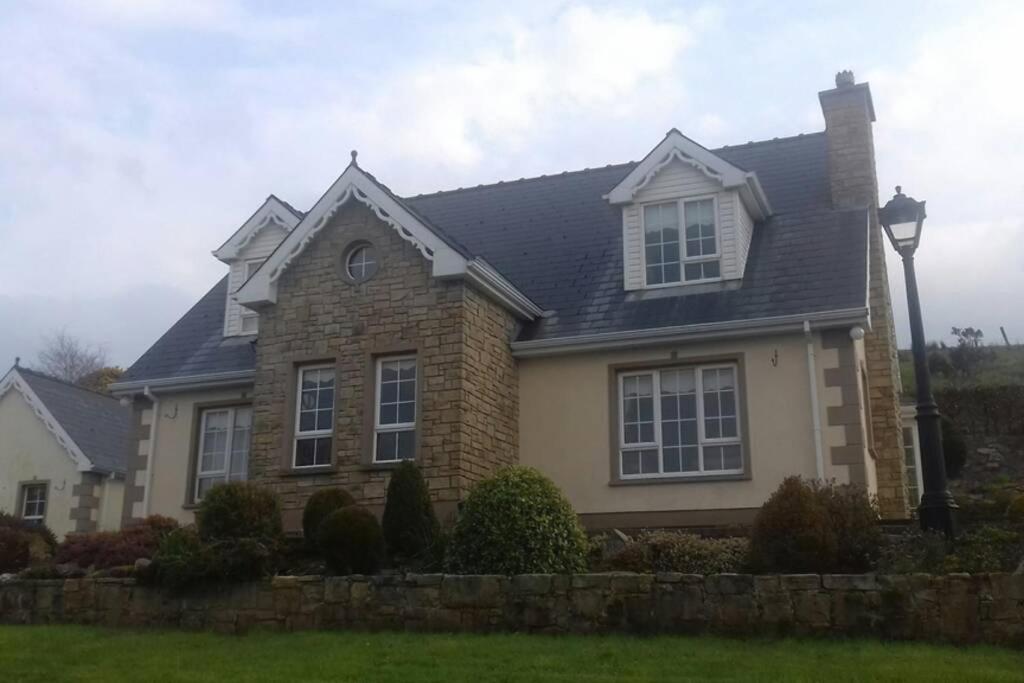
111,495
28,451
565,428
174,439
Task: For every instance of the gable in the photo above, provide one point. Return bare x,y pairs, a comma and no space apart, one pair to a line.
16,393
272,216
446,258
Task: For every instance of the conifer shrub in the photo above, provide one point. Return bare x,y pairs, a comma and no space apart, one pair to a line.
351,541
411,529
517,522
319,505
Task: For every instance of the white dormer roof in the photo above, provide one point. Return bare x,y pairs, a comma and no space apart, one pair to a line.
273,212
677,146
447,260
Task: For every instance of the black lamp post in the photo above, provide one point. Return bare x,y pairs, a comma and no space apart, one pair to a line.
902,218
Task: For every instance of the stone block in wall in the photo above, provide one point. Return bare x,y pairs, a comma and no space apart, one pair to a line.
473,591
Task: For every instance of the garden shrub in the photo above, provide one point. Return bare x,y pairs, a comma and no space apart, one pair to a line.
410,526
914,552
854,518
351,541
792,532
107,549
517,522
319,505
1015,510
42,541
185,560
14,550
687,553
954,448
984,549
239,510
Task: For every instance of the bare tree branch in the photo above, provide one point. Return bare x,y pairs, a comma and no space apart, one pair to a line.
70,359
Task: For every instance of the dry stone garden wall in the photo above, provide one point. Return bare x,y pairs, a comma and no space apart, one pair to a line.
953,608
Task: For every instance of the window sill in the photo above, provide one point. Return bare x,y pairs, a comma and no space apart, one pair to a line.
307,471
646,481
390,465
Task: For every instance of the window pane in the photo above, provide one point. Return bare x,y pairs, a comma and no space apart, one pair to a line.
308,400
323,419
688,432
406,413
673,460
631,462
671,272
307,421
406,445
387,446
713,458
407,391
646,432
632,434
389,414
649,462
712,429
654,276
690,460
310,452
728,427
711,269
731,458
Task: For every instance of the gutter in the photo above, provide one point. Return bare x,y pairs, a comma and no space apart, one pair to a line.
812,374
207,381
484,276
689,333
151,450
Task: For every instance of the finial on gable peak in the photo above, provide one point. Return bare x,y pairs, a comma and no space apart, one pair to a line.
17,361
355,153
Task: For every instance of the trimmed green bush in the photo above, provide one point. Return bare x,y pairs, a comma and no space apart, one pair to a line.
184,560
517,522
853,516
410,526
686,553
792,532
239,510
14,550
319,505
351,541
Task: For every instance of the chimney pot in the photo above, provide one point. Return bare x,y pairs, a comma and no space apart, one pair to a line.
844,79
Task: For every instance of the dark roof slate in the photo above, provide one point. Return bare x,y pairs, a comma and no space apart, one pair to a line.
97,423
560,242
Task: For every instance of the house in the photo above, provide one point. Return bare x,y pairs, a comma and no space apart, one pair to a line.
666,339
62,453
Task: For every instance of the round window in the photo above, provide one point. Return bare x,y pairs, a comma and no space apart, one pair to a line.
361,263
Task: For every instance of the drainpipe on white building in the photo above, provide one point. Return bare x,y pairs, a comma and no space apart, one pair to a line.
155,420
812,374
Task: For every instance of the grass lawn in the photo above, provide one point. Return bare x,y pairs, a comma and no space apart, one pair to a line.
71,653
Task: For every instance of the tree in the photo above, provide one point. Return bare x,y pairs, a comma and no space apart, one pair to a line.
70,359
969,352
100,380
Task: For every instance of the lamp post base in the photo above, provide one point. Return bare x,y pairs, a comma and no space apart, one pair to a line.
936,513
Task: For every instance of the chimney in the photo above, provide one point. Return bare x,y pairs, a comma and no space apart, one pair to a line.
849,113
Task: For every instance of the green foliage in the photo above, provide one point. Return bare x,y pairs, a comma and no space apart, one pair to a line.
39,531
985,549
108,549
410,526
1015,510
517,522
351,541
239,510
954,448
670,551
14,550
810,527
319,505
913,552
184,560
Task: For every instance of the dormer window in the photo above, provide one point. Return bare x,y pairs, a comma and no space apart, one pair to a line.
698,259
250,320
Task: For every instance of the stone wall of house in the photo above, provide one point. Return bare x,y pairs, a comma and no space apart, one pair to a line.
467,400
956,608
849,116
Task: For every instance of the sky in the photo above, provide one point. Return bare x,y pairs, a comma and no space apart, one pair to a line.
137,135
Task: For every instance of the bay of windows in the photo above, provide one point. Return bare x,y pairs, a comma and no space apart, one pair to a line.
314,417
697,258
223,447
679,422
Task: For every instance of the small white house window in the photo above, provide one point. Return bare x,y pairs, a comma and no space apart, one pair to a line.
33,505
223,453
250,320
697,258
361,263
679,422
314,417
395,414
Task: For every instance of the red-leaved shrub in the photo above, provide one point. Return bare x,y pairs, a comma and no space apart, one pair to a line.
106,549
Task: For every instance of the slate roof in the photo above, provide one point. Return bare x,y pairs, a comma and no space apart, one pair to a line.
560,243
95,422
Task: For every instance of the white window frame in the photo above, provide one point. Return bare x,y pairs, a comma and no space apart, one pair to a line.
909,415
316,433
683,258
246,313
25,488
702,440
379,428
225,473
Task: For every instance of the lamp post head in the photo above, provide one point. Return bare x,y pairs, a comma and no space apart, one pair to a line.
902,217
